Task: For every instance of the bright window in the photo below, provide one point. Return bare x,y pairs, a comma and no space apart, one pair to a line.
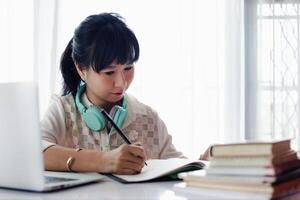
16,39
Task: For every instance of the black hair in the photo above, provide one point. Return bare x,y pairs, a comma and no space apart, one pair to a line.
97,42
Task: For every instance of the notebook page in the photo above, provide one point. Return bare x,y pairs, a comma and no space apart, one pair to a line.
158,168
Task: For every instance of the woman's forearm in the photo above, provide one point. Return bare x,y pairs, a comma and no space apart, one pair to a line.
55,159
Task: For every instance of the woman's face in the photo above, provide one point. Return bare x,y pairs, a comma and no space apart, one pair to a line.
108,86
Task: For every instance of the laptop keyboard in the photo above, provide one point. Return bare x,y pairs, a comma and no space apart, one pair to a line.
50,179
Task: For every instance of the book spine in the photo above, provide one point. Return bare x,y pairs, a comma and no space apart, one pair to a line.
286,188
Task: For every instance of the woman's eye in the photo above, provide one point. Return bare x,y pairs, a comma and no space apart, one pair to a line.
109,73
128,68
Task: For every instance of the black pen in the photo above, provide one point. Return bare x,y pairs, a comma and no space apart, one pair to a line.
117,128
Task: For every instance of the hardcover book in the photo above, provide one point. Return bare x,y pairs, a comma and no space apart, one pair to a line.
251,148
253,161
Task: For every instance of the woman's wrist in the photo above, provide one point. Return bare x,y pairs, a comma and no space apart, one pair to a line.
100,161
70,161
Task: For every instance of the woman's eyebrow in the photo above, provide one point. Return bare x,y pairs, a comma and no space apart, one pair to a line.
109,67
116,66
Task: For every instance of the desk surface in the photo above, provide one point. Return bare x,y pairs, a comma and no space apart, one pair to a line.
105,189
110,189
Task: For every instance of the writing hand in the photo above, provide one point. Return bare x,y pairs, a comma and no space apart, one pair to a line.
126,159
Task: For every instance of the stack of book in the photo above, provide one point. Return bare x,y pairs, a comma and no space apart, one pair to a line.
270,167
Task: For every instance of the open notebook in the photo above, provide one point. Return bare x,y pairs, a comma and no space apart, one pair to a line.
161,170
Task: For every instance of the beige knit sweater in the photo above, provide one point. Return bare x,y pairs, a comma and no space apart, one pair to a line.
63,125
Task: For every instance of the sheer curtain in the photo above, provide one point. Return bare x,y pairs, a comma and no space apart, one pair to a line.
16,39
191,68
234,72
45,49
272,59
28,44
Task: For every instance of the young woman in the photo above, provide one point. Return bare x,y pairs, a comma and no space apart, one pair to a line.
98,67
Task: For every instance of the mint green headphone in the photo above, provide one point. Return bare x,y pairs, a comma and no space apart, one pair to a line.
92,115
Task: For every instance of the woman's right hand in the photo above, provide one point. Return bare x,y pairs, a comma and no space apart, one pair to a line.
126,159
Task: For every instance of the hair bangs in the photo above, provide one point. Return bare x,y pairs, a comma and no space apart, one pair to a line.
119,46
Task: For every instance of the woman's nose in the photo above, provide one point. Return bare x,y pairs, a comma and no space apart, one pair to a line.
120,80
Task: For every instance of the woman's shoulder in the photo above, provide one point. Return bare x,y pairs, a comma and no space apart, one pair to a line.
55,98
69,98
61,102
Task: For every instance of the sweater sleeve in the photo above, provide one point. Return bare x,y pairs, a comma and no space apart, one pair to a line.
167,149
53,127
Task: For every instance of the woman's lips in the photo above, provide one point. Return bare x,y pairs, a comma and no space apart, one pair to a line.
118,93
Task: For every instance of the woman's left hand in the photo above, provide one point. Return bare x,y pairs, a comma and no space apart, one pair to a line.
206,154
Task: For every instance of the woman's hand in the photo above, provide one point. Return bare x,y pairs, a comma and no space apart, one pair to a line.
206,154
126,159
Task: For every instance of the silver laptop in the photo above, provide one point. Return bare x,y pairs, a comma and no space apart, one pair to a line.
21,159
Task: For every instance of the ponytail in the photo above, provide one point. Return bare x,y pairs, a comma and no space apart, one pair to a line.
68,71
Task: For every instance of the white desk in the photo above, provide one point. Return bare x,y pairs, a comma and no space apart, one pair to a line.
106,189
110,189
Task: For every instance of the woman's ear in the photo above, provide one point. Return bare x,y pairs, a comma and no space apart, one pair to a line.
82,72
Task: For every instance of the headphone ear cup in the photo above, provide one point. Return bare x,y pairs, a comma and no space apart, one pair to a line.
93,119
120,115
